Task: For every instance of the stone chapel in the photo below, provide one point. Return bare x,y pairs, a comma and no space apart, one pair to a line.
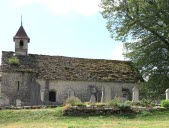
50,80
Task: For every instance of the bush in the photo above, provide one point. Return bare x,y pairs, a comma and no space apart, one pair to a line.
146,103
123,106
135,103
128,102
114,103
92,104
13,60
100,104
66,107
165,103
80,104
73,101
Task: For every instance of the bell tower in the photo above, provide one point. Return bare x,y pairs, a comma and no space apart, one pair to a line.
21,40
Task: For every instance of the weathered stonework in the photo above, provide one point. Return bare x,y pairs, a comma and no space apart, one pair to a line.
67,68
50,80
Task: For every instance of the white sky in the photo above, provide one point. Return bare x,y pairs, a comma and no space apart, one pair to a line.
72,28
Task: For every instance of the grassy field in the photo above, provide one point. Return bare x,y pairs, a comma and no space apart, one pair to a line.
52,118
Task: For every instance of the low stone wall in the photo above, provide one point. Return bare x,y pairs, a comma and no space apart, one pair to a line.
28,107
82,111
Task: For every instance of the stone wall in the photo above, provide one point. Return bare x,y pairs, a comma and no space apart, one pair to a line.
0,86
93,111
26,88
18,86
42,79
21,50
82,90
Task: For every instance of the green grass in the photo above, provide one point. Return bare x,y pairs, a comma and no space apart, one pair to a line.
52,118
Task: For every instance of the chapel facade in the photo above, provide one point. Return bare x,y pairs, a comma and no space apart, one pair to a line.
50,80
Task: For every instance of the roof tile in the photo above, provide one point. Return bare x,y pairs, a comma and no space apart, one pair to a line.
68,68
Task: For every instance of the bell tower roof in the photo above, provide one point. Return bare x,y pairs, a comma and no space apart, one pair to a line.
21,34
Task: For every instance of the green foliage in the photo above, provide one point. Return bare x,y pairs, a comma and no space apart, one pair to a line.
137,18
155,87
44,118
80,104
123,106
14,60
73,101
100,104
91,104
59,111
136,103
146,23
152,61
165,103
114,103
146,113
146,103
128,102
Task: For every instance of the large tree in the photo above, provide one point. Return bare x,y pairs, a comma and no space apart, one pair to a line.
147,23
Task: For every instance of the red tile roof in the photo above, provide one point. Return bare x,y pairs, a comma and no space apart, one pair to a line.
21,34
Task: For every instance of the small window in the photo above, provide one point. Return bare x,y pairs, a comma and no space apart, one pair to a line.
21,43
52,96
18,86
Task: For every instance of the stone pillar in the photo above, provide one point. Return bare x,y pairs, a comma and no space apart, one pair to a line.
18,102
46,96
135,96
102,97
46,92
42,95
93,98
167,94
108,95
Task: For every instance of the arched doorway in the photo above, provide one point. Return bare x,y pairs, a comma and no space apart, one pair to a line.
52,96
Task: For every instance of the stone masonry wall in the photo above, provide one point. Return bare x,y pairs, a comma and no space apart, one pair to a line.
36,76
82,89
16,86
32,91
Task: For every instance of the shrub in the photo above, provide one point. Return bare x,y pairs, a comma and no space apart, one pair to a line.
92,104
73,101
146,103
100,104
80,104
123,106
165,103
66,107
114,103
128,102
135,103
13,60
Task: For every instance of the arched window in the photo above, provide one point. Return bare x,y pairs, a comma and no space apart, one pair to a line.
21,43
18,86
52,96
